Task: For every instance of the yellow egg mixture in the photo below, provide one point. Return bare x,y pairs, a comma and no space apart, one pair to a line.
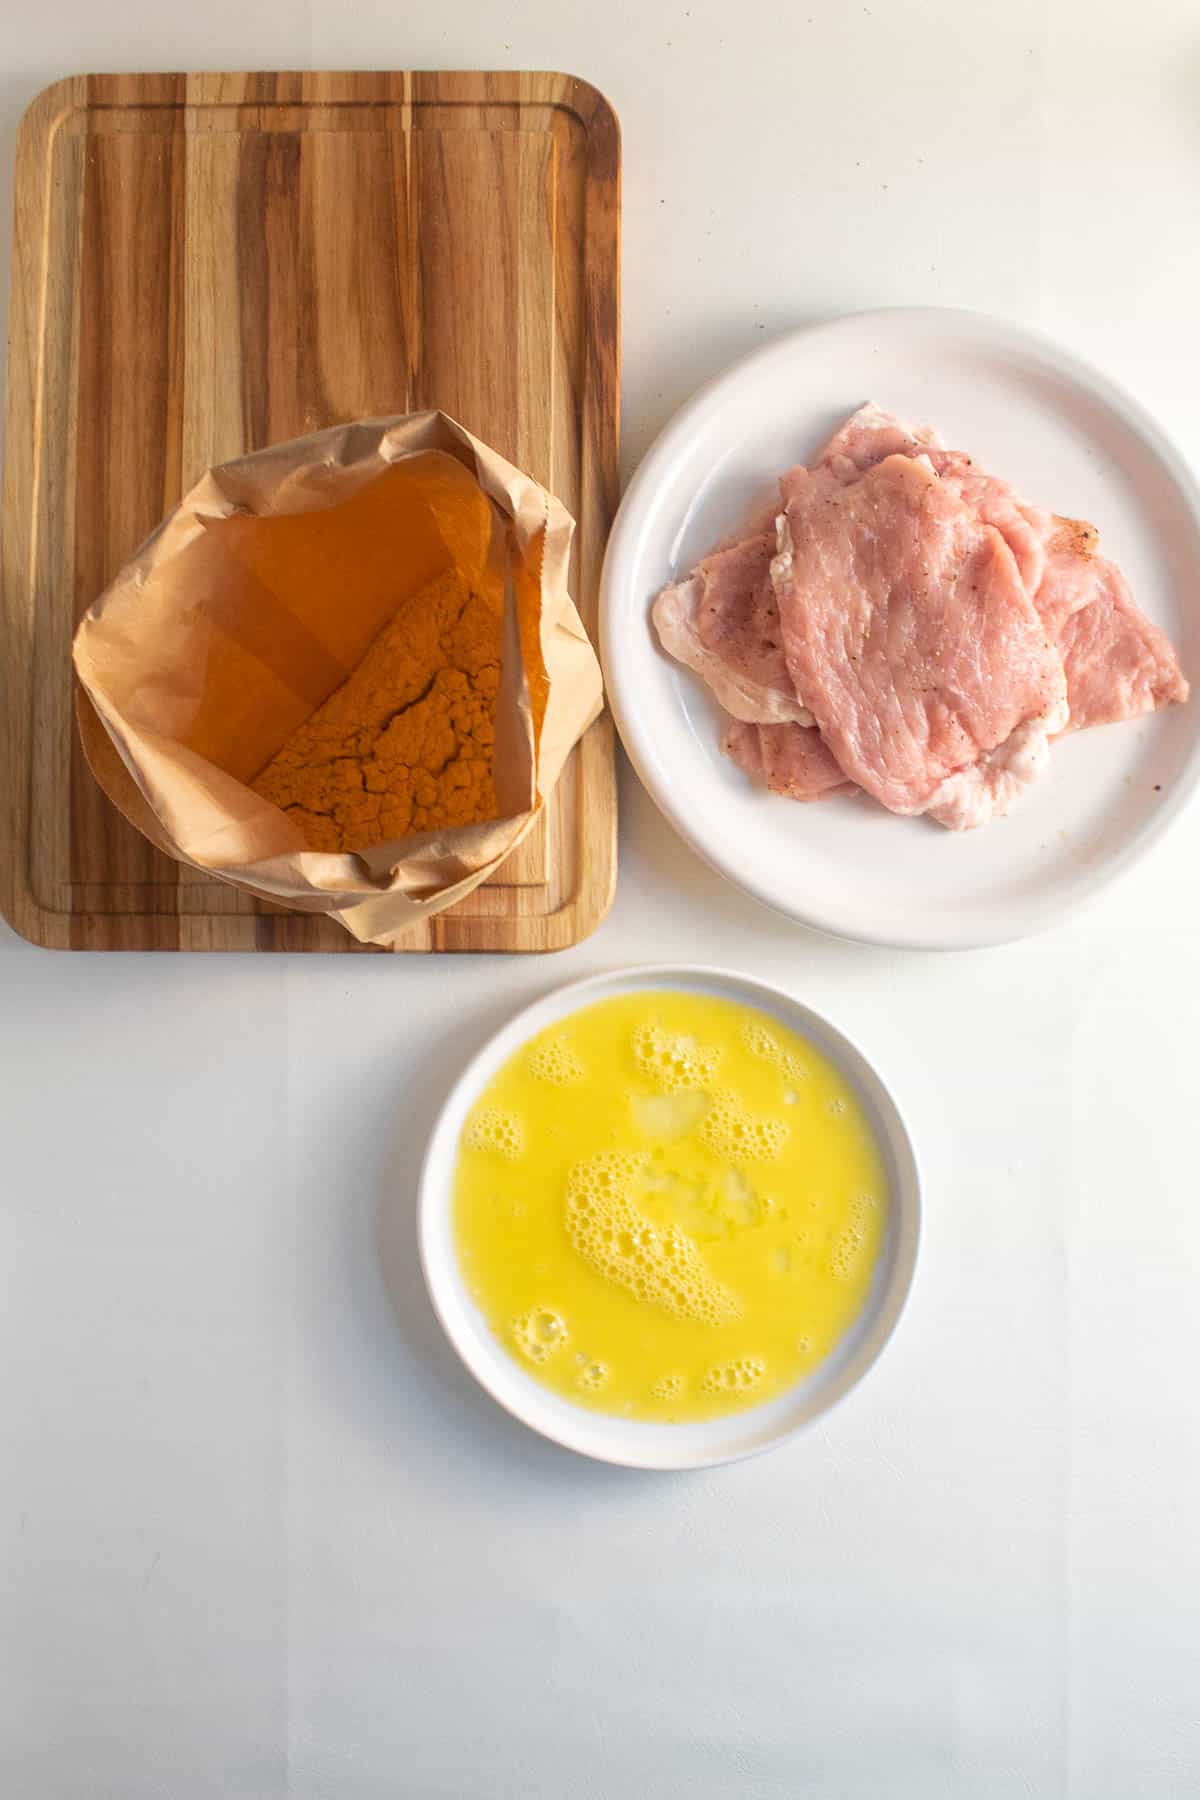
668,1206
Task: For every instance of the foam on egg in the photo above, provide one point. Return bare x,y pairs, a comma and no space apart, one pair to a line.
492,1128
672,1060
738,1376
729,1129
762,1042
847,1248
656,1264
539,1334
861,1208
556,1061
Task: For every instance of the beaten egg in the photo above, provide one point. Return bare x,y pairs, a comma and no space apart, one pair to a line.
669,1206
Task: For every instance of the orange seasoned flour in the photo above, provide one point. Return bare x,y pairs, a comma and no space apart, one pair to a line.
406,743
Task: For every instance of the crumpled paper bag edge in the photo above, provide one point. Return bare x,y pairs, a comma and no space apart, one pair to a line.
372,913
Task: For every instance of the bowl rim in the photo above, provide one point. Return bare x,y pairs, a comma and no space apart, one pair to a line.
642,1444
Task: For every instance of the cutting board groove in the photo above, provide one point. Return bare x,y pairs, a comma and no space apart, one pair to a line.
204,264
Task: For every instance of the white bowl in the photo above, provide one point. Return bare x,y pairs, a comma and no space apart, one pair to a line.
639,1443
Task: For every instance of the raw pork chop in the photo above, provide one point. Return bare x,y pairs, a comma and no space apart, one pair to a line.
1118,664
790,759
723,622
869,435
911,637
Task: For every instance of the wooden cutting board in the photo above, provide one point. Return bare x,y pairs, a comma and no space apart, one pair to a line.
203,264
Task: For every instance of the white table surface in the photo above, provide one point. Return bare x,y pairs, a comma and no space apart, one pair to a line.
259,1536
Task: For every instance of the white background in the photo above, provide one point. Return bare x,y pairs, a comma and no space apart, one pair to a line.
260,1536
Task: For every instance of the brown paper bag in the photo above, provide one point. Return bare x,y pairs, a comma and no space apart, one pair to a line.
253,602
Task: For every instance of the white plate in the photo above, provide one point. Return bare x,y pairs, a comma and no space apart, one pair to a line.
637,1443
1062,434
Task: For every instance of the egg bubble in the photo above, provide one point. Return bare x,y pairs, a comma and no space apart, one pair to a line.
738,1376
668,1387
592,1377
539,1334
759,1041
656,1264
491,1128
847,1249
762,1042
731,1131
555,1061
861,1208
672,1060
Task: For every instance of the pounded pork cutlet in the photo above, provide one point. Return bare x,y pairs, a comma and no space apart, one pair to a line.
939,658
910,635
792,760
723,623
1118,664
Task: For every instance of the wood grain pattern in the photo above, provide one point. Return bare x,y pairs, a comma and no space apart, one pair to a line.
204,264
